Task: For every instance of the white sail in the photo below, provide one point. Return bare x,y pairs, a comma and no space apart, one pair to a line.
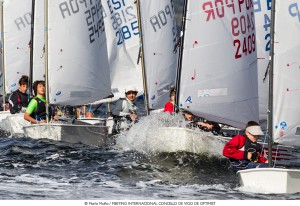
77,54
219,65
1,78
262,10
1,16
38,42
286,90
121,25
159,38
17,24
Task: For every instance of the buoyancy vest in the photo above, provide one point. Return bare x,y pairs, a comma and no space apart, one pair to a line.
129,106
252,146
40,112
19,99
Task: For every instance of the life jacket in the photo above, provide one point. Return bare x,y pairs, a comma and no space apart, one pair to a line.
19,99
252,146
40,112
129,106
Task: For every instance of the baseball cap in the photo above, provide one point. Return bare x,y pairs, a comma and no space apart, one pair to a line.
255,130
130,88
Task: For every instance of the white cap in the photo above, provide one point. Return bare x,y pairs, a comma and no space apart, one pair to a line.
130,88
255,130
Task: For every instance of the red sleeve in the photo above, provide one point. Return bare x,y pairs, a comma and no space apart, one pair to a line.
169,107
261,157
232,148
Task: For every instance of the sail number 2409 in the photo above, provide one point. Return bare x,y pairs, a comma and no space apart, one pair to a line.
246,46
244,28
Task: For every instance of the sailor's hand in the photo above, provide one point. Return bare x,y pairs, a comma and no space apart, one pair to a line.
254,157
133,116
249,155
42,121
206,125
56,118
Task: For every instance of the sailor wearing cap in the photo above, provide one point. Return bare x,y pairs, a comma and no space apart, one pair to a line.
244,152
125,110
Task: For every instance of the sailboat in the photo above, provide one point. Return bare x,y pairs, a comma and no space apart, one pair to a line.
16,24
142,59
158,36
217,74
122,32
76,68
283,120
15,123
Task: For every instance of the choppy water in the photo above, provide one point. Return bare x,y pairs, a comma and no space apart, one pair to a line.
44,169
31,169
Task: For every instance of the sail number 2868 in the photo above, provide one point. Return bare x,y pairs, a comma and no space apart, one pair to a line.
244,46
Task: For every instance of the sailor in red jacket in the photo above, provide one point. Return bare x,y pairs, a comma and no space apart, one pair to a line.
244,152
169,106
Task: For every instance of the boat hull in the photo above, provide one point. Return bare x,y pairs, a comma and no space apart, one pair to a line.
3,116
14,124
92,121
270,180
97,121
92,135
179,139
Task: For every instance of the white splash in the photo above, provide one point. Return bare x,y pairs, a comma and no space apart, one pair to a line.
162,132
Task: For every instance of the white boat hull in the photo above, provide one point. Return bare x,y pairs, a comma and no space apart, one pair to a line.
87,134
179,139
93,121
3,116
270,180
97,121
14,124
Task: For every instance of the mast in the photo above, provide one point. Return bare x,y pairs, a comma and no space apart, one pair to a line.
2,56
179,63
31,47
270,105
142,57
46,60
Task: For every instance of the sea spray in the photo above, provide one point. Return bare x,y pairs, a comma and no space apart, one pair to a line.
156,133
136,137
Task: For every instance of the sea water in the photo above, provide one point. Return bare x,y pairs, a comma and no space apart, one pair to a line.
47,170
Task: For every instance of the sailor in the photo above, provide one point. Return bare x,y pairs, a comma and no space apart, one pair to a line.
197,122
36,110
244,152
18,100
81,112
169,106
125,111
